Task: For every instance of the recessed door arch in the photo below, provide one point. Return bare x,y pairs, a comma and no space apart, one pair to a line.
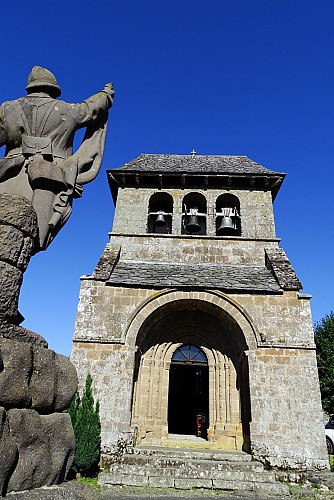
223,343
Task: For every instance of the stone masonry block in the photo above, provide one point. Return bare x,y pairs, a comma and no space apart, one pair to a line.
16,362
27,249
10,283
11,242
8,452
42,382
18,212
46,446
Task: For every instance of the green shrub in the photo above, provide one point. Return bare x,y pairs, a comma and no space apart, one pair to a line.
324,339
87,430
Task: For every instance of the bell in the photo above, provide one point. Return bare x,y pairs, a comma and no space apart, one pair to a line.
226,225
160,220
193,226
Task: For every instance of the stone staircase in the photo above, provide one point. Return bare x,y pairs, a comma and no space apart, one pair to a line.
192,468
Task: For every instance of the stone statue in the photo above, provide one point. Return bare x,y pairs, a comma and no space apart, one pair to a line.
39,164
39,177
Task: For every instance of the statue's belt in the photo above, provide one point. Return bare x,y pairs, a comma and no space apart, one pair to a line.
38,145
40,172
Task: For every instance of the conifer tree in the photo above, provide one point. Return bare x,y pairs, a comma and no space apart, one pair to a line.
87,430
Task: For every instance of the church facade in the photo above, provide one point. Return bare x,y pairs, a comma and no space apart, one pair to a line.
193,323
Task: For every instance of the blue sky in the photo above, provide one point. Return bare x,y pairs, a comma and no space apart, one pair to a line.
243,77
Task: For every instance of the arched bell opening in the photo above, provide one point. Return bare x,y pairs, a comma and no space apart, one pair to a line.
160,213
228,222
194,211
218,337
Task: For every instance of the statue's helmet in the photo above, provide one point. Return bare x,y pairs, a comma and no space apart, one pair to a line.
42,77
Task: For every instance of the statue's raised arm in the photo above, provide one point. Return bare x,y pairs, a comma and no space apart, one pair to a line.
39,164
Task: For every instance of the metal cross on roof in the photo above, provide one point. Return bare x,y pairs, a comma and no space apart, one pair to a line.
193,153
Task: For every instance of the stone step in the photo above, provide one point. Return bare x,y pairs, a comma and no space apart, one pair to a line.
157,466
190,462
189,453
188,483
190,471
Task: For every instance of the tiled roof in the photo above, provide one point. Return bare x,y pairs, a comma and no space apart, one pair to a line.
195,164
223,277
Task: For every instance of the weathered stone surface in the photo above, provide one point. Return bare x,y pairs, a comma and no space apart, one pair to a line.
45,444
10,284
8,452
72,490
59,430
20,334
17,211
26,252
43,380
11,242
35,377
15,374
34,464
107,262
53,382
66,382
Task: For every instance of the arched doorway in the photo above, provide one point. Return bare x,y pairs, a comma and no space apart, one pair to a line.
218,336
188,395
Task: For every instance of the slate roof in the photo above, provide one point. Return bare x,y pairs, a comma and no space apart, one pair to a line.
215,164
222,277
278,263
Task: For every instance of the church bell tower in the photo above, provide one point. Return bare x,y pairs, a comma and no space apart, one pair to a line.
193,323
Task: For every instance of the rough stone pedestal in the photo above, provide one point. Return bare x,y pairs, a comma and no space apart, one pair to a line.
36,384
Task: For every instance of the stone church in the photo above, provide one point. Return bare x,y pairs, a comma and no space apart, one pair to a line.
192,324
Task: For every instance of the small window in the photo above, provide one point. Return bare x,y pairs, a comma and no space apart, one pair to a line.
228,221
194,214
160,213
189,354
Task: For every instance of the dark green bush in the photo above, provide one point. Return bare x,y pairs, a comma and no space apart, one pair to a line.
85,418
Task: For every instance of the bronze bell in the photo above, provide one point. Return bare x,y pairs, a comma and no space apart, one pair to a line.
226,225
192,225
160,220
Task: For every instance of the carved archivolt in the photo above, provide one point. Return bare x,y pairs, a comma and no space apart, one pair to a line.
191,321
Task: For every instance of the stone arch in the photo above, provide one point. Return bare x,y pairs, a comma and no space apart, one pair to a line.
219,299
169,321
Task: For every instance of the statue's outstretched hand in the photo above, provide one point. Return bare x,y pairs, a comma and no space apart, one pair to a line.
109,88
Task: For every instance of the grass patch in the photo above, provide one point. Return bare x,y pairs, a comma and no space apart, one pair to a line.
92,481
331,462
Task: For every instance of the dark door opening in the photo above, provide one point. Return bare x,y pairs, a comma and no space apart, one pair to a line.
188,398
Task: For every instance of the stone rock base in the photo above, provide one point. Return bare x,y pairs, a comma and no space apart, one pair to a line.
36,384
36,450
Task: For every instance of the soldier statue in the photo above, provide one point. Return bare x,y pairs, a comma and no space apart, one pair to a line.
39,163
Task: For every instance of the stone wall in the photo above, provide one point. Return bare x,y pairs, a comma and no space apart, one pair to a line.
287,428
170,248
